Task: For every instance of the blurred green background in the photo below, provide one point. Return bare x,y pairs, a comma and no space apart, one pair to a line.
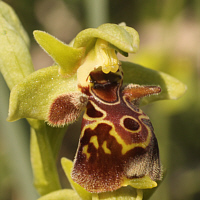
170,42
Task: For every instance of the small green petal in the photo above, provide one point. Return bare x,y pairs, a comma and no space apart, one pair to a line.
15,59
68,58
170,86
67,167
141,183
121,36
124,193
65,194
33,97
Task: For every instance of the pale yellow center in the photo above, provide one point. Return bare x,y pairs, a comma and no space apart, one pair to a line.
107,55
102,55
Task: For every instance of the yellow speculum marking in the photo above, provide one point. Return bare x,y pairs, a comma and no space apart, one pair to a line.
94,141
105,148
85,151
125,147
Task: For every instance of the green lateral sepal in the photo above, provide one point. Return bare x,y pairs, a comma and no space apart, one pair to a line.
38,94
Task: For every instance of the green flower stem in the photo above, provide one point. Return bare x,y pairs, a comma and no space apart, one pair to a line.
43,160
56,136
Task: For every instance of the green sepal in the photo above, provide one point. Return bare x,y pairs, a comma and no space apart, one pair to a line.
67,167
137,74
33,97
65,194
15,59
123,37
67,57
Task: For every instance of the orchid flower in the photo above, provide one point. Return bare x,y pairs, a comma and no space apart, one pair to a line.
87,74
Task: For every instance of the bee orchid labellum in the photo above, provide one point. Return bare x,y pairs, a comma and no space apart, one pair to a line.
117,146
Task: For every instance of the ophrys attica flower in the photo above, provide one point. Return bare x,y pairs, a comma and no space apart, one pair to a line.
117,145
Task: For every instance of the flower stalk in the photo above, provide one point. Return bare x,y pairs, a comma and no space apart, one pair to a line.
43,161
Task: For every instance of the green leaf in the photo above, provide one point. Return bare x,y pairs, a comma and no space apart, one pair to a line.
67,167
10,16
15,59
170,86
68,58
33,97
124,38
66,194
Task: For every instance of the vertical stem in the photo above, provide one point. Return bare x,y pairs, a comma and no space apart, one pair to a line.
97,12
43,160
56,135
